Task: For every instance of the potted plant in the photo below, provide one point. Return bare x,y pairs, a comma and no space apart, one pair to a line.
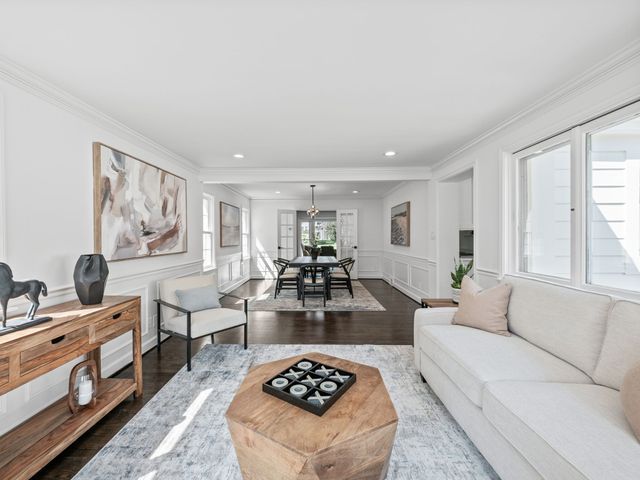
314,250
459,271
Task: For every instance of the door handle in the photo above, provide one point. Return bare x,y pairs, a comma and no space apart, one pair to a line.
355,247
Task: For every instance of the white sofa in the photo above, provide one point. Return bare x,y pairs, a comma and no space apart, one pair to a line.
544,402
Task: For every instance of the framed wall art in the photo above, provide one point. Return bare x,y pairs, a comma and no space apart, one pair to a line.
229,225
140,210
401,224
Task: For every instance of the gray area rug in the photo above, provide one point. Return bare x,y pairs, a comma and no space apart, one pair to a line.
341,301
182,434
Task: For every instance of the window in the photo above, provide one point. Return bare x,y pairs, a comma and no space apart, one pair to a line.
246,249
613,206
545,212
577,206
208,260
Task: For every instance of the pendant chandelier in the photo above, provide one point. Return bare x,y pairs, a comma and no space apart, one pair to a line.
313,211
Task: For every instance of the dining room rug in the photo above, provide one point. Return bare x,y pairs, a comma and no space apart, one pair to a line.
341,301
181,433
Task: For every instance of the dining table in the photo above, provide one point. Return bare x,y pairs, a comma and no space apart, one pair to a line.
319,262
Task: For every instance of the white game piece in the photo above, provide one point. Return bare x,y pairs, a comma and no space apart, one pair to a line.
338,377
310,380
280,382
316,397
324,371
298,390
328,386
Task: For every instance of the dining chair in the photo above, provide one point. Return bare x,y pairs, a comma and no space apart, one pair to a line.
309,287
286,279
341,280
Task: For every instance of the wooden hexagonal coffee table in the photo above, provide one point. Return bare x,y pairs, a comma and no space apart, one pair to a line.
276,440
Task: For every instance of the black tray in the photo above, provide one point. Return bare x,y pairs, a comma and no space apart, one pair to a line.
313,378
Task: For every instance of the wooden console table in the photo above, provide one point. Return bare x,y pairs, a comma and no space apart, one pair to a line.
437,302
75,330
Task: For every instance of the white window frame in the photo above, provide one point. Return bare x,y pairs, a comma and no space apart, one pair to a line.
580,218
517,180
582,132
211,201
247,234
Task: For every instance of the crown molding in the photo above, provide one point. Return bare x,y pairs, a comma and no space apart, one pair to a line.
36,85
337,174
595,75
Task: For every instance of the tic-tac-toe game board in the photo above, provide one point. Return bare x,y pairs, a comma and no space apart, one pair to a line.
310,385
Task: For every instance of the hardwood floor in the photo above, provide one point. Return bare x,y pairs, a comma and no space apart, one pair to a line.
392,327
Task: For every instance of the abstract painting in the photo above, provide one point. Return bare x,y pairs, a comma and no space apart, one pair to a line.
139,210
401,224
229,225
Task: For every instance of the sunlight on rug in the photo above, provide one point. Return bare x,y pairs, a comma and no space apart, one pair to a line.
182,433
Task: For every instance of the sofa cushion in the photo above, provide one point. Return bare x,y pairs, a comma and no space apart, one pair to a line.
483,309
567,322
630,398
566,431
472,357
621,348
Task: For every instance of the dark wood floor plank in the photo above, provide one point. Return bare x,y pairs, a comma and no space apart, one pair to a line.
391,327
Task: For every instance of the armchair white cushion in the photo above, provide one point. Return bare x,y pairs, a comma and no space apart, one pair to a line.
206,322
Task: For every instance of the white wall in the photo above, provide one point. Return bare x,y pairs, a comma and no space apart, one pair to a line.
465,203
264,231
48,222
411,269
231,269
612,85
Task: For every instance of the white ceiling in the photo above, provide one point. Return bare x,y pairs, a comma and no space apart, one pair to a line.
308,83
265,191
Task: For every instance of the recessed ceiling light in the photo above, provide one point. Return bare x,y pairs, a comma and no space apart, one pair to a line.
278,192
390,153
356,191
238,155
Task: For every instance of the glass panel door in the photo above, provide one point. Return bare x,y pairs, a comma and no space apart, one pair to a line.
347,236
287,234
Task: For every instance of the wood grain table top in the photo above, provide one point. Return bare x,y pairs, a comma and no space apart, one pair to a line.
65,312
364,408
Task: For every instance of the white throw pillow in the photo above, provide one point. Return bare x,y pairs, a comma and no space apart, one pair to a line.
483,309
200,298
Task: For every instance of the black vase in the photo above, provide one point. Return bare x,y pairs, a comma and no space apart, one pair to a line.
314,252
90,278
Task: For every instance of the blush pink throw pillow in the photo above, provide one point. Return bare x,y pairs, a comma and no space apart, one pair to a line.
483,309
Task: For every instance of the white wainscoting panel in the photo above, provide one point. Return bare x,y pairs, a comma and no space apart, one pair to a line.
413,276
369,264
262,264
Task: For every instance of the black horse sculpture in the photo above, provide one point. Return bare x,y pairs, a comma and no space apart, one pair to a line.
9,289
